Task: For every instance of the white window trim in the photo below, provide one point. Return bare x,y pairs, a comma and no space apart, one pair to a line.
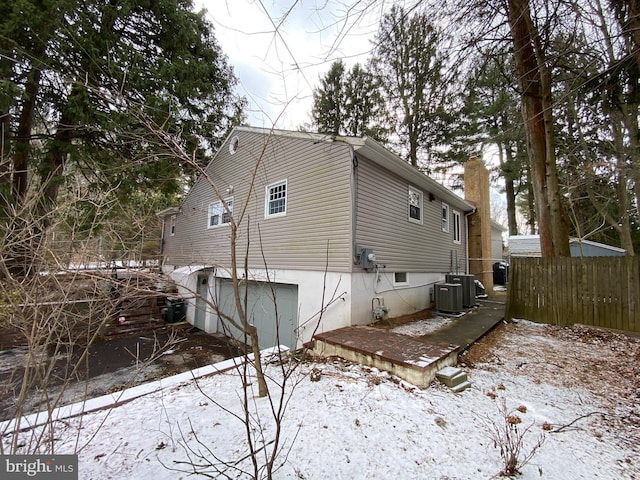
172,225
286,199
413,190
445,218
234,144
218,205
457,227
400,284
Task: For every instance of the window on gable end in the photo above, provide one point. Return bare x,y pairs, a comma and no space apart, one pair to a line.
275,203
218,215
415,205
172,225
445,218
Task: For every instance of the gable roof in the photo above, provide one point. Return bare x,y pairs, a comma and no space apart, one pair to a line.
377,153
498,226
364,146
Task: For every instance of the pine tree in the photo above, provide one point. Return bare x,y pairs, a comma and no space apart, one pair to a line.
73,73
349,102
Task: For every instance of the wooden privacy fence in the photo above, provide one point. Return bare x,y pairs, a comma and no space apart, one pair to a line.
596,291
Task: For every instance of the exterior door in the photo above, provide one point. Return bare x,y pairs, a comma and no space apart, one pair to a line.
202,297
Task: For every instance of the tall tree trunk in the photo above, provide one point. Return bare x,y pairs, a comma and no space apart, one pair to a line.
5,135
55,160
628,15
535,86
506,166
23,138
72,114
531,204
5,162
510,192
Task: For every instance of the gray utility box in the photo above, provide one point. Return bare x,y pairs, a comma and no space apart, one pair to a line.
468,283
448,297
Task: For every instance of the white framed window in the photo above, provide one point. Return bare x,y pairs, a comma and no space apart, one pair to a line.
275,203
445,218
401,278
415,205
218,214
457,232
172,225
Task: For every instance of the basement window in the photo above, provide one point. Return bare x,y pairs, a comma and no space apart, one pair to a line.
400,278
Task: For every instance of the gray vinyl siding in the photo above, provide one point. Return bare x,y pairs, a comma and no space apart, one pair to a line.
383,225
319,208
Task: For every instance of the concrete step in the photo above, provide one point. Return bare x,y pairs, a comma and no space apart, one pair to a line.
451,376
454,378
463,386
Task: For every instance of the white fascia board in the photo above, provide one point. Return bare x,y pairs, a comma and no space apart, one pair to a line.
168,211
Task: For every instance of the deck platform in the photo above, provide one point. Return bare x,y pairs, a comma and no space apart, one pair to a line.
412,360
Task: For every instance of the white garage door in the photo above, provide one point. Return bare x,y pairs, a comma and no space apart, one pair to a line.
273,329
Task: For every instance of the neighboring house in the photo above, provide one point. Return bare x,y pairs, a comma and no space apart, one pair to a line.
529,246
337,225
497,244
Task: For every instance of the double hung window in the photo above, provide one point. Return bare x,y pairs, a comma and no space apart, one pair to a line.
275,203
218,215
445,218
415,205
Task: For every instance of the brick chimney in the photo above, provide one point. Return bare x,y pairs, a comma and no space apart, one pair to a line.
476,192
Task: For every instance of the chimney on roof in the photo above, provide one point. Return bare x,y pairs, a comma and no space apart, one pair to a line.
476,191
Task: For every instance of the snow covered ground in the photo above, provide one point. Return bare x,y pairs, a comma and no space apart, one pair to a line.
422,327
577,389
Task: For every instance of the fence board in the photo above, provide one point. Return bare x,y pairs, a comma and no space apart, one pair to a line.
596,291
634,288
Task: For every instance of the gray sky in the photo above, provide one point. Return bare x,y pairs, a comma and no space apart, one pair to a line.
279,67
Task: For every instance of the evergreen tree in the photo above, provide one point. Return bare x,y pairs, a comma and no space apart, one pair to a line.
329,101
408,58
349,102
75,77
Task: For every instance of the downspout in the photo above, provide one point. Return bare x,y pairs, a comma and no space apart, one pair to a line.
466,236
354,202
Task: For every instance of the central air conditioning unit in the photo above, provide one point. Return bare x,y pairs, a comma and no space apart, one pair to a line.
468,283
448,297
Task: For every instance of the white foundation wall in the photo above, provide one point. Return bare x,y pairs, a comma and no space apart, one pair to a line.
368,289
311,287
348,298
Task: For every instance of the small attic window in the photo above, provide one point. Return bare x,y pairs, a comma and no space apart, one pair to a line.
233,145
